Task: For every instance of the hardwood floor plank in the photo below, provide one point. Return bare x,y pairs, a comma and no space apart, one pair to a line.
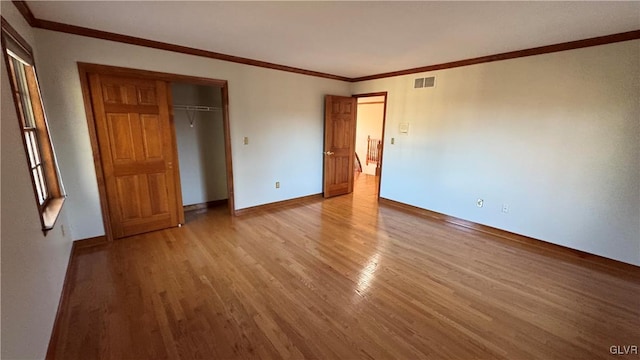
342,278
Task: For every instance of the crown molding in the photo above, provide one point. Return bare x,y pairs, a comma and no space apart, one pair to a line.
24,9
127,39
104,35
571,45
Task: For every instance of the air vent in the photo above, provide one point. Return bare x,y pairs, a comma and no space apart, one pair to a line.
430,81
424,82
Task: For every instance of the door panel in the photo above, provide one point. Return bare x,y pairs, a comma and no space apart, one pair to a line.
339,144
129,207
152,135
159,200
135,139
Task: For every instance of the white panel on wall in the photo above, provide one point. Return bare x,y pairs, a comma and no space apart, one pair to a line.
556,137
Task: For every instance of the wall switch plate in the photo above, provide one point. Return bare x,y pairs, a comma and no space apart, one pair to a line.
246,140
404,128
277,184
393,141
505,208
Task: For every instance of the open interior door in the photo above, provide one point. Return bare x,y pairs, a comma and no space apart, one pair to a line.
339,144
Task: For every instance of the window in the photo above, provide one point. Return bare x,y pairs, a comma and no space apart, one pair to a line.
39,152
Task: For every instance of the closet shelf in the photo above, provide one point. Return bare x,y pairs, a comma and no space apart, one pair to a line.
196,108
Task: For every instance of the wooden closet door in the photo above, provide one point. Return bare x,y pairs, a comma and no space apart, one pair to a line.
136,145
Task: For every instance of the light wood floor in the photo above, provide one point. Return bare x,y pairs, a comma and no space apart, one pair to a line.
342,278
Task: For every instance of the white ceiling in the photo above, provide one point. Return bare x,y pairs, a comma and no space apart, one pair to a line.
350,39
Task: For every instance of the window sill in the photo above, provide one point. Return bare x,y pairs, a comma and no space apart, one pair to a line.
51,213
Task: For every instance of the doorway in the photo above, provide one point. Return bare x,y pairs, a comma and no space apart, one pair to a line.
370,121
199,128
139,181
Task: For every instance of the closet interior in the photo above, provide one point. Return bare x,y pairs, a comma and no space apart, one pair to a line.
198,121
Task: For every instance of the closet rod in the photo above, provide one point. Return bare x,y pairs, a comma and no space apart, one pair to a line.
196,108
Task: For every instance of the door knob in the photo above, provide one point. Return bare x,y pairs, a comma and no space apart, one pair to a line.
329,153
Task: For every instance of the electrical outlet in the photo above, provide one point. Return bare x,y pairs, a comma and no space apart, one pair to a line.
277,184
505,208
393,141
480,203
246,140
